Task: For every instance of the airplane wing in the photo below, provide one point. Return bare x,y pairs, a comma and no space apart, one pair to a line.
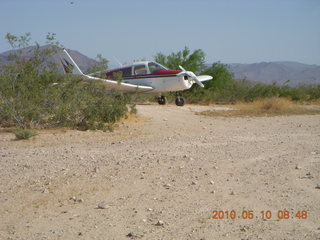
70,66
126,87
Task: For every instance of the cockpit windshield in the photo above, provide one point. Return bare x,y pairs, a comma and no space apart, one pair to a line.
153,67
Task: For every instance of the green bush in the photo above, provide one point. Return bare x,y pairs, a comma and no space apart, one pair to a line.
24,134
33,96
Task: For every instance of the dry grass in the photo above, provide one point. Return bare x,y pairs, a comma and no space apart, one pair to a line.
266,107
269,105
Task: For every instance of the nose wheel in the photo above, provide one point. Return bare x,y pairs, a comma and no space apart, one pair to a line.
180,101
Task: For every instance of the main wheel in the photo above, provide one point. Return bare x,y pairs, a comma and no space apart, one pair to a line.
162,100
180,101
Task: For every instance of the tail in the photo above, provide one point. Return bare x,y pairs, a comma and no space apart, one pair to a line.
69,64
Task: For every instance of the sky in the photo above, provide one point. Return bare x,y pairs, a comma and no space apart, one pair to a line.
229,31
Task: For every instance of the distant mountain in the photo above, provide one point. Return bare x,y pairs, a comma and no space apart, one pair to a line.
82,61
278,72
264,72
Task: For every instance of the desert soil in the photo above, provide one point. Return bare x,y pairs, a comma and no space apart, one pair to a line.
161,176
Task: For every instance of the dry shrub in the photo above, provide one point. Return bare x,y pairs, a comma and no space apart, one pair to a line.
265,107
268,105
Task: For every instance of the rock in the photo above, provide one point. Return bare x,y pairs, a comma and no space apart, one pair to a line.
102,205
160,223
318,186
134,235
298,167
232,193
193,182
167,186
45,190
308,175
211,182
76,200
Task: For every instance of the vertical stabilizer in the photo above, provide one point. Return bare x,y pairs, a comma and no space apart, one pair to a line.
69,64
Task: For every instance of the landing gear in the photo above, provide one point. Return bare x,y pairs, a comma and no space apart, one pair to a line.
180,101
162,100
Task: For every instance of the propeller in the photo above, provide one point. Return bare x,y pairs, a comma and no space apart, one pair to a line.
193,76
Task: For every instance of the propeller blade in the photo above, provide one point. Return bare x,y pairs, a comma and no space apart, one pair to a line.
198,82
196,79
182,68
191,74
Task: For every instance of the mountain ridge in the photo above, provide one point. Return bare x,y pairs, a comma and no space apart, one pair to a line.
280,72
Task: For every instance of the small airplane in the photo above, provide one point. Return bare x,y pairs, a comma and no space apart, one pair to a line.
144,77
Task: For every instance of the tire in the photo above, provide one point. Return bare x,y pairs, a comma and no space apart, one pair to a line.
180,101
162,100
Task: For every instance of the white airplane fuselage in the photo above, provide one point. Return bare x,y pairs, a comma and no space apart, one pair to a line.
162,84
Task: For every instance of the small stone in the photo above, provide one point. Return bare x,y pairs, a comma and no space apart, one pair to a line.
193,182
243,229
150,209
134,235
298,167
159,223
318,186
211,182
45,191
232,193
102,205
167,186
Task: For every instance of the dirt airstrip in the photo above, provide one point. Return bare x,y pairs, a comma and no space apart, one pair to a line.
165,175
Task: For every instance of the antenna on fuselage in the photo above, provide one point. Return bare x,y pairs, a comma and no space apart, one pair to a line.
118,61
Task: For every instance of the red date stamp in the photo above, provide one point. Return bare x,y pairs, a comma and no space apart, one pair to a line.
265,214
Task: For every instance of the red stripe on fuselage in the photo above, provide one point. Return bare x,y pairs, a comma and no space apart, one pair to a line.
158,73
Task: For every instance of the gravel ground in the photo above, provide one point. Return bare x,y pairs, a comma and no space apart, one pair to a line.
165,175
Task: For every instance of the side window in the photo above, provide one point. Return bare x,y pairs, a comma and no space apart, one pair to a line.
140,69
